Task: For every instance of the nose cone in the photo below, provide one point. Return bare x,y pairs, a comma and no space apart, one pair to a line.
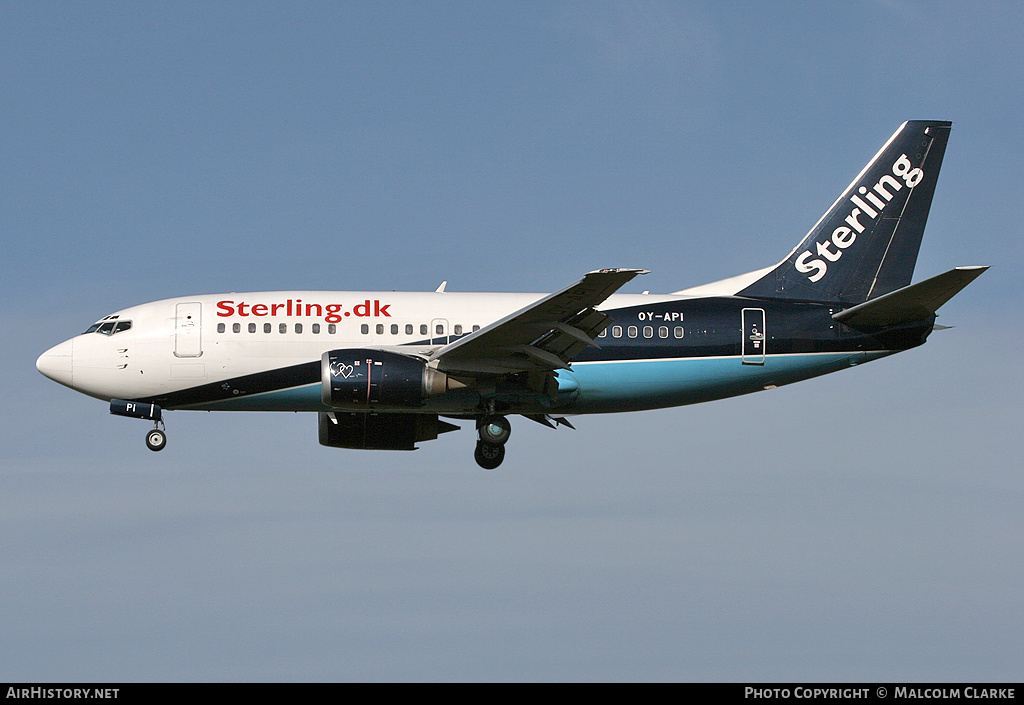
55,363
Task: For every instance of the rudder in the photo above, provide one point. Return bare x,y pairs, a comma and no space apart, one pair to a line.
866,244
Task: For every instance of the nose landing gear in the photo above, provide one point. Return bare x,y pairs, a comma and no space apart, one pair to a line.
493,431
156,439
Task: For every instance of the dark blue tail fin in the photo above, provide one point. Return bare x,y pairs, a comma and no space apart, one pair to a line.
866,244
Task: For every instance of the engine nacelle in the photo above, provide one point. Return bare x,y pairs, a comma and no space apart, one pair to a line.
368,431
364,380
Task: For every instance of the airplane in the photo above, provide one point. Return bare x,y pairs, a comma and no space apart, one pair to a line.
383,370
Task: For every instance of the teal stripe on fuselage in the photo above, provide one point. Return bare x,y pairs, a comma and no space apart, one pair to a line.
653,384
607,387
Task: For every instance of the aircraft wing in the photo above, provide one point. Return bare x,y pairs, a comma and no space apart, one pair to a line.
544,336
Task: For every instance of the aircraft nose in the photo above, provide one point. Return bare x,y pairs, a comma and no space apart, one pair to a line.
55,363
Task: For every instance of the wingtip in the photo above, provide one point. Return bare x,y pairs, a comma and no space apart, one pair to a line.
621,270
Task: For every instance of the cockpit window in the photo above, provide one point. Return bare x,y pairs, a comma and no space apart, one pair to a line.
109,326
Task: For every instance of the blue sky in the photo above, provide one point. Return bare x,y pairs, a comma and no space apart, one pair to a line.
861,526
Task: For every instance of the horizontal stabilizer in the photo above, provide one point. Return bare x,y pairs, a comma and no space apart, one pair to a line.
911,303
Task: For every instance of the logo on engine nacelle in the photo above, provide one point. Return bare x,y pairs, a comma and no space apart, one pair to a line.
340,369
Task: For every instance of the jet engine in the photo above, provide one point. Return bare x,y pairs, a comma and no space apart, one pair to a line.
373,380
369,431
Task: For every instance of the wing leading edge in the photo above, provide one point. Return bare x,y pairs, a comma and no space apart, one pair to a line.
544,336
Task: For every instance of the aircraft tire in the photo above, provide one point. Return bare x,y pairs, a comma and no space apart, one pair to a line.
488,455
494,430
156,440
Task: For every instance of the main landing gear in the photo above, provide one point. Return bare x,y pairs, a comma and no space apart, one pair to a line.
493,432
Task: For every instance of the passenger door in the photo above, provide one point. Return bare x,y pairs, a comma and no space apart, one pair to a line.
188,329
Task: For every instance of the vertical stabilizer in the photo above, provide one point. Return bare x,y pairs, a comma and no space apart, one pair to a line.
866,244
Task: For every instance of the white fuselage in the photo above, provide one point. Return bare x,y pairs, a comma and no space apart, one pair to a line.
185,342
238,341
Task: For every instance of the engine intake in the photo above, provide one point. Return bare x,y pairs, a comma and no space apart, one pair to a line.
364,379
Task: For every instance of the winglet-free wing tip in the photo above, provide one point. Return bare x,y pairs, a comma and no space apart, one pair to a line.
624,270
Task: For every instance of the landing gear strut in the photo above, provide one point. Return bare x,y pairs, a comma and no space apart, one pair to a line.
494,431
156,439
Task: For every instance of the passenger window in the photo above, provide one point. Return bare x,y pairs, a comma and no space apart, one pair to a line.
616,331
283,328
236,327
603,334
439,328
394,329
331,328
648,332
408,328
631,331
298,328
678,331
364,329
267,327
476,328
458,330
380,329
252,327
423,329
663,332
220,327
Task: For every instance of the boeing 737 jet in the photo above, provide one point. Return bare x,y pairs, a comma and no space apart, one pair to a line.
383,370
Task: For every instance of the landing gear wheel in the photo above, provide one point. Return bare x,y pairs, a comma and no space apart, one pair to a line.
156,439
494,429
488,455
